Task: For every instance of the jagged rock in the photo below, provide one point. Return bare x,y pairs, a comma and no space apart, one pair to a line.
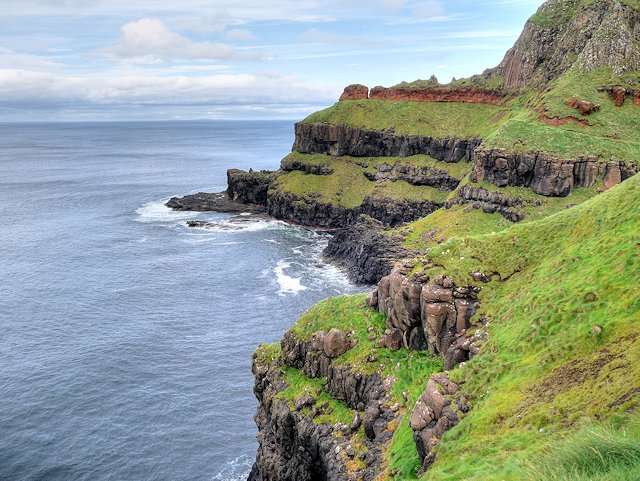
600,34
336,343
249,187
421,176
436,411
365,250
289,164
341,140
211,202
544,174
393,340
355,92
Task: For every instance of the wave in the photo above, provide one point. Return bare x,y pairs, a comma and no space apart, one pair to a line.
235,470
157,211
242,223
287,284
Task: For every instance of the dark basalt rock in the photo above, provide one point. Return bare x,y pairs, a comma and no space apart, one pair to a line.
290,165
365,250
311,212
490,202
341,140
544,174
421,176
212,202
249,187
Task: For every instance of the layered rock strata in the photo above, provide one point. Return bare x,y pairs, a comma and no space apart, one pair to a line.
544,174
339,140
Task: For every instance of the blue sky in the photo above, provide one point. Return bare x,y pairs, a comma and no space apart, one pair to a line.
186,59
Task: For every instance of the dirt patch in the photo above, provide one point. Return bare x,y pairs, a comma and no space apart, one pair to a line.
558,121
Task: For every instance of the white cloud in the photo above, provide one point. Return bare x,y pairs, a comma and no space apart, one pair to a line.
150,38
48,90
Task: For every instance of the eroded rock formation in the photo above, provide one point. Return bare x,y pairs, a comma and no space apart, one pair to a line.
338,140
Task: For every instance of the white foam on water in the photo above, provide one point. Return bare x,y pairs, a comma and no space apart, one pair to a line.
235,470
238,224
287,284
158,212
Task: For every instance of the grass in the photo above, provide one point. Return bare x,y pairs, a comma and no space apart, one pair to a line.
298,385
434,119
560,12
604,453
348,187
546,370
611,133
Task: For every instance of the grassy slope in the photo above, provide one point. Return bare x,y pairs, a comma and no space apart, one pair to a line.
545,371
441,120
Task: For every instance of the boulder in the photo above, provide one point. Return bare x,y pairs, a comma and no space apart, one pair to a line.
336,343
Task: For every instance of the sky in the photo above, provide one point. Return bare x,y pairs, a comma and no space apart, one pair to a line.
234,59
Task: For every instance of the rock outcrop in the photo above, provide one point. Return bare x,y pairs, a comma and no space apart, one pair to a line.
430,314
338,140
561,35
414,175
313,212
439,408
545,174
355,92
249,187
365,250
490,202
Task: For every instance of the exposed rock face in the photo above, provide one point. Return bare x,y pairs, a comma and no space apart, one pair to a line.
491,202
365,250
290,165
601,34
249,187
544,174
341,140
355,92
438,409
216,202
430,314
291,446
311,212
414,175
470,95
355,389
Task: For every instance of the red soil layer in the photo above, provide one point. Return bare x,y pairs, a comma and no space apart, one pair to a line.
557,121
438,94
433,94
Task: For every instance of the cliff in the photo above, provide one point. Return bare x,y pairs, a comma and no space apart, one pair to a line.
497,217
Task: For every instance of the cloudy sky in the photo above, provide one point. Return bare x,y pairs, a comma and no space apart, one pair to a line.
186,59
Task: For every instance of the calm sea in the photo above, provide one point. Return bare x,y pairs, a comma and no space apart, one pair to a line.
126,337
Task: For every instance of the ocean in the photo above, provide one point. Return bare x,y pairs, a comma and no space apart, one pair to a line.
126,337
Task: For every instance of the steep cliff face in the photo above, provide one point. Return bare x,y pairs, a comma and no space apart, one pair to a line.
545,174
340,140
564,33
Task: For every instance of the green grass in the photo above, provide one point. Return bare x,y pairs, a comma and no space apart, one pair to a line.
595,454
348,187
434,119
545,372
299,385
611,133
